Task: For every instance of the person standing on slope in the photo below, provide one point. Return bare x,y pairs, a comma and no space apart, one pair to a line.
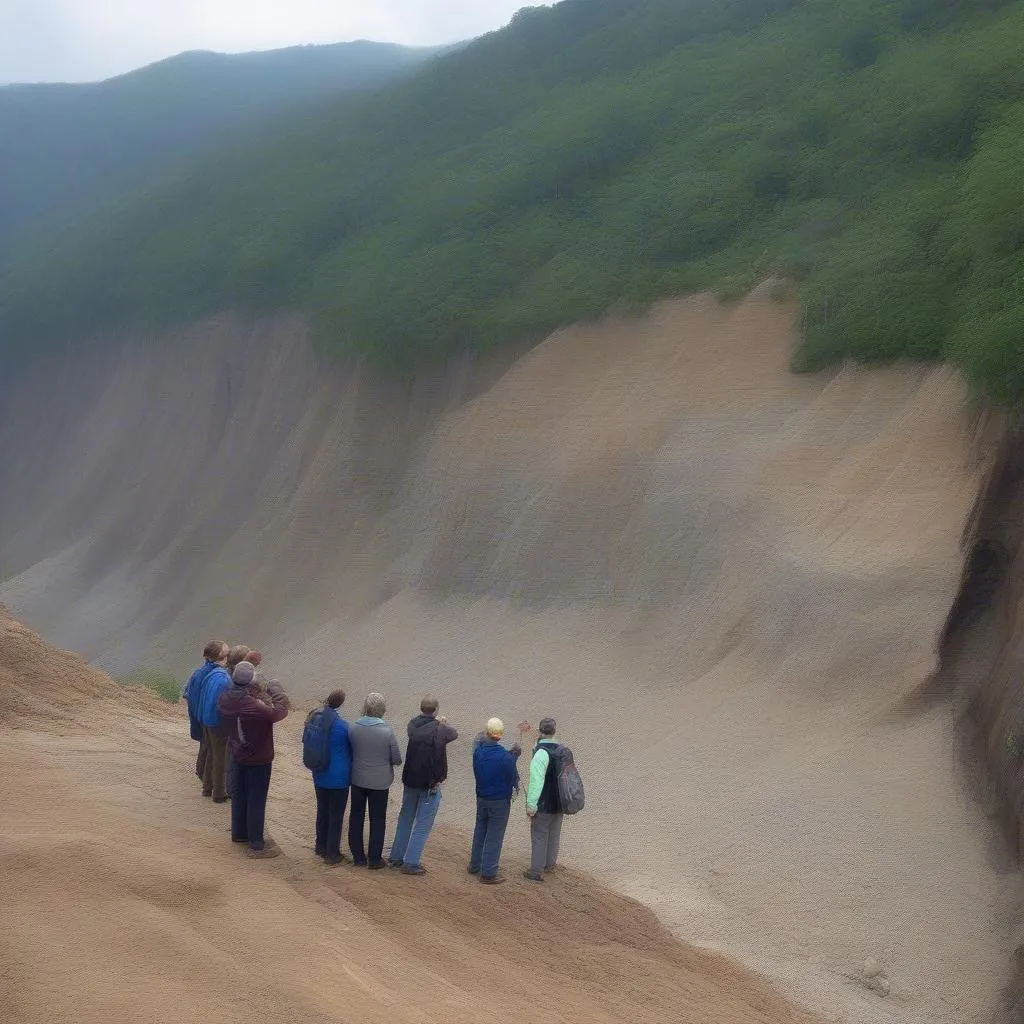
215,654
236,655
494,769
217,682
331,786
542,804
375,754
258,689
426,768
249,724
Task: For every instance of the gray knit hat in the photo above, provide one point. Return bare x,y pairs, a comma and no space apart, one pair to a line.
243,675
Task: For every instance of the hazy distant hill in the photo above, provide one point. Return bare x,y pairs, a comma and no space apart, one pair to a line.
63,146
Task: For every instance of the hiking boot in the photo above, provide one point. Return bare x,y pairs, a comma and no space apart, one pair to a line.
319,853
492,879
265,853
472,870
533,876
413,869
377,865
331,859
395,863
221,799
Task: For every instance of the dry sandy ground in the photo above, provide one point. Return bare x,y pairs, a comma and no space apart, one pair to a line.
125,901
723,581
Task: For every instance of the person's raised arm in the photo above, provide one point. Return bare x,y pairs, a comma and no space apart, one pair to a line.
279,705
446,733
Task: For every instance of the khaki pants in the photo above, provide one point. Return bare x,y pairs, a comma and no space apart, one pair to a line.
214,768
204,749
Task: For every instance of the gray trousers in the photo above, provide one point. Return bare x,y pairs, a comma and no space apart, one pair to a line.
545,833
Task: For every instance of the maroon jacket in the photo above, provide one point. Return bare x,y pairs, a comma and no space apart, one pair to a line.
248,722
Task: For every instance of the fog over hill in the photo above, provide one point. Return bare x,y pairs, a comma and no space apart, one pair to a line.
63,148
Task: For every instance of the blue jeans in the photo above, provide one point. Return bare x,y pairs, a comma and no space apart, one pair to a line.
488,836
415,820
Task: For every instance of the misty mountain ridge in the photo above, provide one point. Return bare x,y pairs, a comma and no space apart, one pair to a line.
66,146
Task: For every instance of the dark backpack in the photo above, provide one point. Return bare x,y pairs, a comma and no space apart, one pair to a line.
316,739
570,785
426,760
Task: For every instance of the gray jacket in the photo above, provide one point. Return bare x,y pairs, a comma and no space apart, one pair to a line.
374,753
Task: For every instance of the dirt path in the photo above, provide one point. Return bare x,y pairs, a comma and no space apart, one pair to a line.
124,899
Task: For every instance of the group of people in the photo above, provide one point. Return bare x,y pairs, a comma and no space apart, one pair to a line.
232,711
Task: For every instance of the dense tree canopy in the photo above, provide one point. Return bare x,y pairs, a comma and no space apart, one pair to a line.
605,153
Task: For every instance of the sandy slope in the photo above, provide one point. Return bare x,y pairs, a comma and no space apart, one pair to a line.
722,579
124,900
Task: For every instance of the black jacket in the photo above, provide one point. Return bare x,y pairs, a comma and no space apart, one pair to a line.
549,802
426,756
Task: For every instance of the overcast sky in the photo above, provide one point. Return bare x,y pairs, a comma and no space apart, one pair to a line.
86,40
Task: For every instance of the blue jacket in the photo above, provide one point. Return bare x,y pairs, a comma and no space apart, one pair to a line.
193,689
217,682
495,770
338,774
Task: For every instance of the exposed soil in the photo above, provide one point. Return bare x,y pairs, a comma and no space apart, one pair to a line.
124,899
727,583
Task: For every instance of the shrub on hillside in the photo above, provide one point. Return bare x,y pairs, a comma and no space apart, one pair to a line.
163,684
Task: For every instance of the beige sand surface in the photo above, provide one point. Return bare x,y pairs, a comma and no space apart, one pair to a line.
720,578
124,899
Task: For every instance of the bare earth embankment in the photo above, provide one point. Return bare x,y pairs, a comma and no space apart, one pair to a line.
124,899
723,580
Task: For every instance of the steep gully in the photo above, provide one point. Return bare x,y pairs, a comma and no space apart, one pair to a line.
788,600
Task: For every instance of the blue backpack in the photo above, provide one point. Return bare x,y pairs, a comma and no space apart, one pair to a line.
193,691
316,739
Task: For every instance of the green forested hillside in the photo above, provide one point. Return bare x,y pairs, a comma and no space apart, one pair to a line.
605,153
62,146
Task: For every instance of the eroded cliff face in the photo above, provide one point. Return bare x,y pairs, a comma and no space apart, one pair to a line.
727,583
981,669
219,478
